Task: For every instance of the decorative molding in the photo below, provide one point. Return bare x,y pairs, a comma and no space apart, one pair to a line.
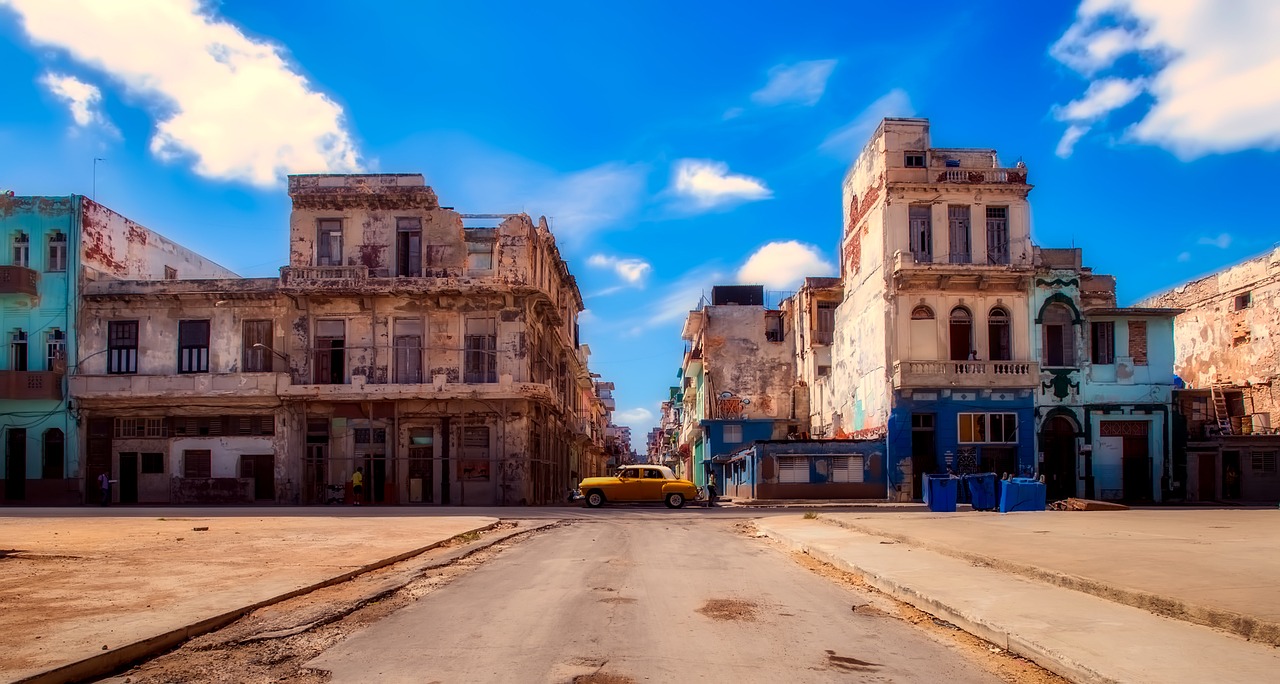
1058,282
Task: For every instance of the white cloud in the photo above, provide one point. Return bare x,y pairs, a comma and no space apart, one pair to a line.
584,201
231,104
784,265
1184,257
708,184
1214,71
639,419
632,271
845,142
1100,99
84,99
800,83
732,113
1069,139
682,296
1223,241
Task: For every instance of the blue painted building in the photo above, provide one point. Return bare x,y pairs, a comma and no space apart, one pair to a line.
804,469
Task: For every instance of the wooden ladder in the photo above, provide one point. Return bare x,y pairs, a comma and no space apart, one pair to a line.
1220,408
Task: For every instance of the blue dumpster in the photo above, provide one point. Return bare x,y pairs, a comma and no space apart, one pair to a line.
982,490
1022,494
940,493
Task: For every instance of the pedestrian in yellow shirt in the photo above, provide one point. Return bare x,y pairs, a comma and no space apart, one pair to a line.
357,484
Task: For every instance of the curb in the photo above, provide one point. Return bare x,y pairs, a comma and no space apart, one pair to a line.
1039,654
1246,627
107,662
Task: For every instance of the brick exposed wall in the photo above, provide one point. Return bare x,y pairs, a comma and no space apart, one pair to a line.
1138,342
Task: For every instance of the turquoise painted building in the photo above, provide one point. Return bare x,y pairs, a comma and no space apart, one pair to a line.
51,247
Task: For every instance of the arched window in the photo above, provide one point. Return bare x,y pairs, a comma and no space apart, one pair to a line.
54,455
961,334
922,313
998,335
1059,344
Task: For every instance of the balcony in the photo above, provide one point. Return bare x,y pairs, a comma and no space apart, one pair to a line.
363,280
966,374
192,389
958,176
18,280
23,385
821,338
1004,271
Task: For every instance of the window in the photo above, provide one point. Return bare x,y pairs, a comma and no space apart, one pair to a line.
54,454
257,355
1059,337
193,346
732,433
997,235
57,252
18,351
922,313
170,273
914,160
197,463
330,353
55,350
1104,342
961,334
409,247
479,256
474,464
773,327
1244,301
122,347
481,356
153,464
1264,462
407,357
126,428
329,242
998,335
921,221
793,470
988,428
846,468
823,371
22,250
958,220
826,322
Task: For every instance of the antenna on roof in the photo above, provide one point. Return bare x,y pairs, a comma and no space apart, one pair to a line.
94,196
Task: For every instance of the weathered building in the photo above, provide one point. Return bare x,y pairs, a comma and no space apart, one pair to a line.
56,247
435,351
931,349
810,321
1227,354
739,379
1104,404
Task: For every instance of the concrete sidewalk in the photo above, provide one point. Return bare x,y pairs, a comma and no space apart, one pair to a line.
78,588
1083,637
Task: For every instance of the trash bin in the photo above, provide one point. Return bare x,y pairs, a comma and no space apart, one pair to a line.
1022,494
982,491
940,493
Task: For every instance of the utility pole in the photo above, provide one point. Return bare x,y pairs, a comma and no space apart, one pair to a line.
94,196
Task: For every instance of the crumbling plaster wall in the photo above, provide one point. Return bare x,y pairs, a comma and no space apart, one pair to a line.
756,374
113,246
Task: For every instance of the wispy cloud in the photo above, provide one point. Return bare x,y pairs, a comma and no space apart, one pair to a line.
801,83
1222,241
230,105
845,141
83,99
1211,73
680,297
1184,257
1070,137
707,184
638,418
784,265
1102,97
631,271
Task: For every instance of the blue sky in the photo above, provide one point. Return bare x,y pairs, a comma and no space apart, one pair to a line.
673,145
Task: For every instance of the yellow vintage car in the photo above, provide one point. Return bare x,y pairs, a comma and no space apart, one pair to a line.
638,483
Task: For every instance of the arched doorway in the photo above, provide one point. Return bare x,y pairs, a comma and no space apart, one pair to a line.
961,333
1058,444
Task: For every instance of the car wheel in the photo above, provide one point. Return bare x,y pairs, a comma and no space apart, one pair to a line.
675,500
595,499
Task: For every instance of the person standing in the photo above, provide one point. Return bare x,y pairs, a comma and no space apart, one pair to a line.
357,484
104,484
712,491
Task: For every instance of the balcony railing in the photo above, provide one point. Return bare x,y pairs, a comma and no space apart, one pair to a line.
822,337
18,280
30,385
966,374
977,176
312,276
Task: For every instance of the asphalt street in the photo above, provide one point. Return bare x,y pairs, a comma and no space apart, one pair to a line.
629,595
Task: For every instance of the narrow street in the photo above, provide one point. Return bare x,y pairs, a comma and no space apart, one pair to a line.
623,599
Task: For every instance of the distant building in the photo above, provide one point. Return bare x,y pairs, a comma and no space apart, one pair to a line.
55,248
1228,354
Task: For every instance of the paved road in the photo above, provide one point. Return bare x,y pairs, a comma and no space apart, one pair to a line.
646,511
648,596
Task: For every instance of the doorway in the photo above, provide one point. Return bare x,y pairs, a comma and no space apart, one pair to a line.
1058,444
1137,469
924,451
961,334
1207,467
128,478
262,469
1231,475
15,465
